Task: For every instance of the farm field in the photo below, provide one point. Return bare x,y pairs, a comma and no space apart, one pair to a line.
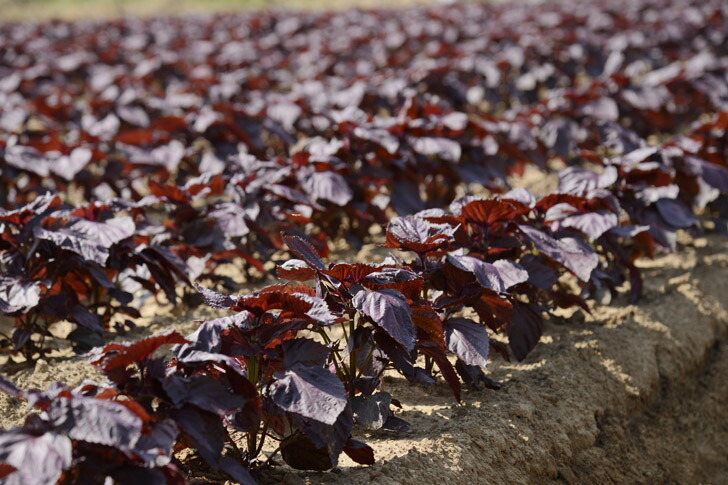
441,242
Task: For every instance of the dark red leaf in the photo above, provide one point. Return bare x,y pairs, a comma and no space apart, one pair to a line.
304,250
418,235
360,452
123,354
487,212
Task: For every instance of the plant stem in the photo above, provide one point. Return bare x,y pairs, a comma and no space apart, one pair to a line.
352,356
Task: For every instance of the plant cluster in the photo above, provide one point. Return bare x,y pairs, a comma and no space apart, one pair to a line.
192,142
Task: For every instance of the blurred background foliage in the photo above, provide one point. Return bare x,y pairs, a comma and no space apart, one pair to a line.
29,10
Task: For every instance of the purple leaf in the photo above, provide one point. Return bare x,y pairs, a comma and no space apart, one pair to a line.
488,276
714,175
329,438
28,158
510,273
301,452
92,240
205,431
593,224
627,232
559,211
402,360
304,250
393,276
39,460
396,425
468,340
389,310
328,186
372,411
105,234
525,329
17,295
580,181
231,219
359,452
285,112
96,421
203,392
575,256
650,195
215,299
68,166
418,235
304,351
312,392
603,108
444,148
9,388
87,319
524,196
405,197
381,137
156,448
206,342
290,194
675,213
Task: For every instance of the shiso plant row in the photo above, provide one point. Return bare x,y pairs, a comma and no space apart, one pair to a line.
136,156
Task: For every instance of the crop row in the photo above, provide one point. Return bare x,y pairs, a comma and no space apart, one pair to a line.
279,369
172,160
